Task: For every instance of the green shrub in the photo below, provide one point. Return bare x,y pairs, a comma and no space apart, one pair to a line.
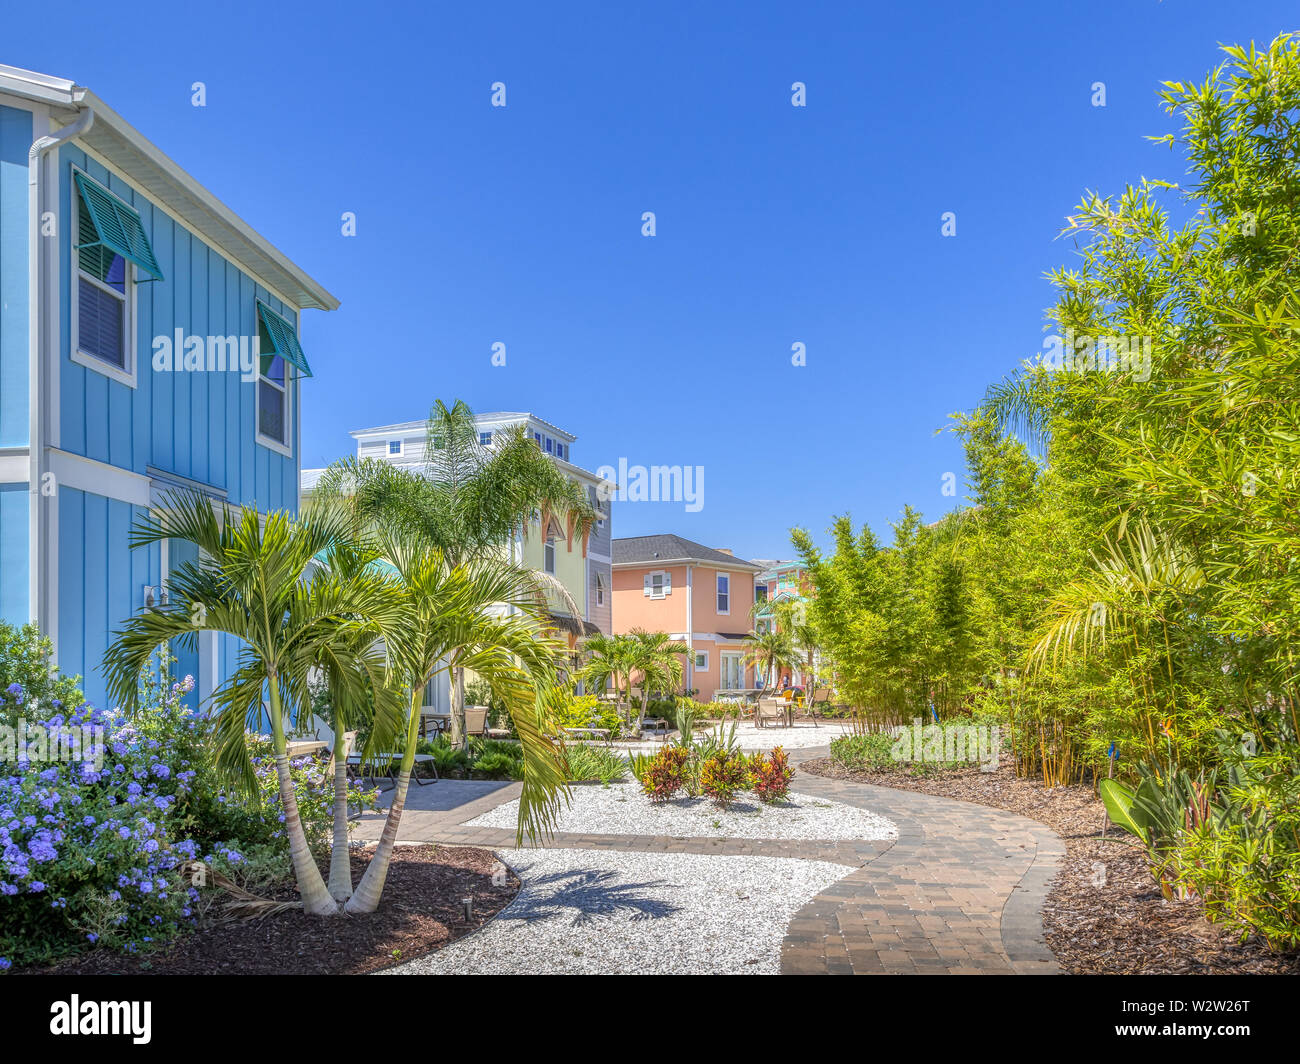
25,667
587,711
591,762
499,765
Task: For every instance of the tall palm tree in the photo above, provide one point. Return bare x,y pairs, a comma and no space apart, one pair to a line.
772,651
658,658
482,615
472,502
257,578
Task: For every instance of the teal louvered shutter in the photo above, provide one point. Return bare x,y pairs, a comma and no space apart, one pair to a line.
278,335
110,226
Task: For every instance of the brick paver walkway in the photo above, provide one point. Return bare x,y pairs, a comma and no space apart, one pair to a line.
959,892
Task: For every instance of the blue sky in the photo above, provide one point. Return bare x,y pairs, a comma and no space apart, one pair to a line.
775,224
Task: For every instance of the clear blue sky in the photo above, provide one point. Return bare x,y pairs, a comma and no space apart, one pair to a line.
775,224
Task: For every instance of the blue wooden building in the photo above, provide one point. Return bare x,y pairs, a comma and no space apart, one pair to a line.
148,342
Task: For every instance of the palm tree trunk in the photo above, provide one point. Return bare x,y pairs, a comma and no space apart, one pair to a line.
340,883
316,899
365,899
458,737
645,702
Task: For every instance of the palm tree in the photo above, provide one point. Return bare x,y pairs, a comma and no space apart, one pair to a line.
608,660
484,616
658,658
471,502
771,650
257,578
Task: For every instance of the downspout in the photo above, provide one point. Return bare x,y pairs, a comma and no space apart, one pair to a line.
38,326
690,628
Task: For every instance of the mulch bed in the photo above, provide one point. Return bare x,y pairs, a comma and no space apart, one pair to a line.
420,912
1104,914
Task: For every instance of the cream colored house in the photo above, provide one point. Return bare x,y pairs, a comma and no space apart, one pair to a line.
584,568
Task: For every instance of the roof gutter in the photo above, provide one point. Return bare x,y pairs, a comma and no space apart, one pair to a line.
40,555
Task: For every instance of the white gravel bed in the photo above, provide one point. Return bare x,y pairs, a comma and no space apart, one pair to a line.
623,809
749,737
595,912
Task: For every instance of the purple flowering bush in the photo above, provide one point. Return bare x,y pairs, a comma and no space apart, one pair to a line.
100,855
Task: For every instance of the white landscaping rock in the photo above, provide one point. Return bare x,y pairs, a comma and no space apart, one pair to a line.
601,912
623,809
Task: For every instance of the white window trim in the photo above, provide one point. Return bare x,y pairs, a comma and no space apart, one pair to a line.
724,656
549,545
269,442
665,588
600,590
390,453
127,375
718,594
702,654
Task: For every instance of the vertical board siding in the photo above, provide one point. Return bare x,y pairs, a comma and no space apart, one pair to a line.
101,582
198,425
15,141
14,554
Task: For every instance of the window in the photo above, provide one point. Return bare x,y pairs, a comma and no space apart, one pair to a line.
538,437
701,659
273,401
484,438
760,592
600,590
279,349
550,445
657,585
549,555
733,672
724,593
395,447
561,450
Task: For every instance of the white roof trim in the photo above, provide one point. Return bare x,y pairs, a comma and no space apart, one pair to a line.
147,167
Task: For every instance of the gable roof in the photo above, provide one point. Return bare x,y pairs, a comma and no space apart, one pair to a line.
665,548
168,185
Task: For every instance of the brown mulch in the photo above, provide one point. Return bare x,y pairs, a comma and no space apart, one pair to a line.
1104,913
421,911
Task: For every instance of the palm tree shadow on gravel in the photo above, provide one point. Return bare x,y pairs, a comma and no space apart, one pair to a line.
587,893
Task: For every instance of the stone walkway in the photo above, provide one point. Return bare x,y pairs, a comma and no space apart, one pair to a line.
959,892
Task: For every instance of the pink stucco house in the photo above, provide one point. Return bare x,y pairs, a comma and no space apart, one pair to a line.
697,594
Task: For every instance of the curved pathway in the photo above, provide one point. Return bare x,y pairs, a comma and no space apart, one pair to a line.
960,891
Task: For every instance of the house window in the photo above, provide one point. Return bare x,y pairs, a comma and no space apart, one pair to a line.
561,450
724,593
395,447
600,590
701,659
550,445
760,592
279,349
733,672
484,438
102,316
273,400
658,585
538,437
549,555
111,248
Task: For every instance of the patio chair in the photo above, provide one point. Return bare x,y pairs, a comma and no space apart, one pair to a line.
769,709
476,720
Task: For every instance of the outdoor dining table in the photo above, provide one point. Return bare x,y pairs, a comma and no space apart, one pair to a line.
787,704
440,722
304,747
